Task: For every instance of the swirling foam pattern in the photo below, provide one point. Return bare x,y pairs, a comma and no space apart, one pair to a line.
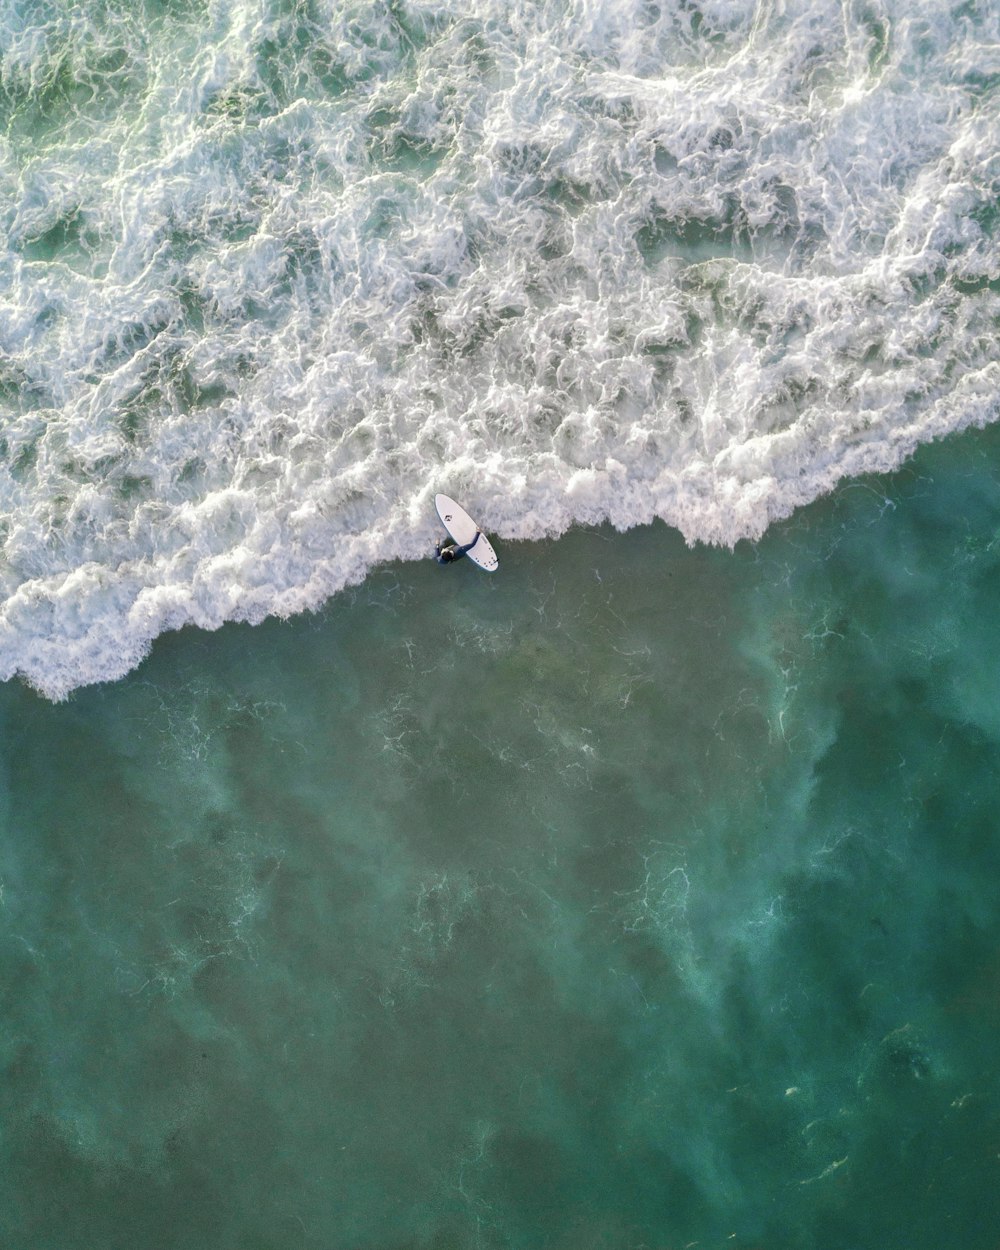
273,273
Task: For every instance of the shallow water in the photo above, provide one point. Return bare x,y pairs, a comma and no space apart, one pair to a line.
637,895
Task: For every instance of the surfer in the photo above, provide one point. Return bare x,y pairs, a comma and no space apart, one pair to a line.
448,555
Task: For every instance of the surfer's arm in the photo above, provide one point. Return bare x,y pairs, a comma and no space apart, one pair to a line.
460,551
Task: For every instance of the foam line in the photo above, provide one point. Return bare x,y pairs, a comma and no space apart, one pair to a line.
271,280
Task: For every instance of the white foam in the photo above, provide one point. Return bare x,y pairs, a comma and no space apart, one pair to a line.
602,262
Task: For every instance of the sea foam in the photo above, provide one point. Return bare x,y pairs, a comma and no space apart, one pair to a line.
273,275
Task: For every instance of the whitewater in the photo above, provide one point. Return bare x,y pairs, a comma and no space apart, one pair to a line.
274,273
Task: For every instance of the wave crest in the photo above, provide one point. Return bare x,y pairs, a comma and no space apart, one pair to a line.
296,271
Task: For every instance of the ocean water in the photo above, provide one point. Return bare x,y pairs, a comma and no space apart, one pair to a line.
643,896
639,895
273,272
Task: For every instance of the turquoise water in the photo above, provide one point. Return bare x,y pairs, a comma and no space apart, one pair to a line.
639,895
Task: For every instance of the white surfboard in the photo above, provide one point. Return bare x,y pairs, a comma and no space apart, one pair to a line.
462,528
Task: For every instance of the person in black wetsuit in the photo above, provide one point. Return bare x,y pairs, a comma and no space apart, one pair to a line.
448,555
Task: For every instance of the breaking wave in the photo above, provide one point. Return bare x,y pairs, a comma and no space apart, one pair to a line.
274,273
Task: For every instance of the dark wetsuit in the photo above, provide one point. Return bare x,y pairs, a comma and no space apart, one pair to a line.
446,555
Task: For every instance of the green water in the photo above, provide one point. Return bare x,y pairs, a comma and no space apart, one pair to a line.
638,896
